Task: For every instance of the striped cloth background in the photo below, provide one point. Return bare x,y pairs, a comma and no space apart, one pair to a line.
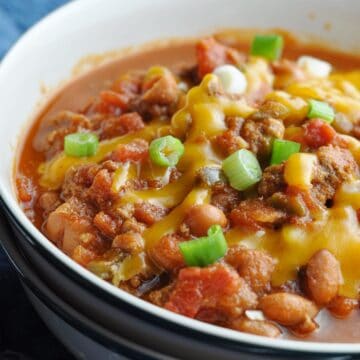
23,336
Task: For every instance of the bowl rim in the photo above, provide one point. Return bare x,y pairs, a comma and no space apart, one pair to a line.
19,256
49,298
21,261
41,241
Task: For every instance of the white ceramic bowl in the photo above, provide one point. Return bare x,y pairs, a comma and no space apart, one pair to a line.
47,53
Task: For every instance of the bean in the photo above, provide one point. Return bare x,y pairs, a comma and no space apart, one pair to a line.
287,309
257,327
305,328
255,266
342,306
200,217
323,277
166,253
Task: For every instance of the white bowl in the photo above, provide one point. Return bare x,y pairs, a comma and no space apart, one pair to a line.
47,53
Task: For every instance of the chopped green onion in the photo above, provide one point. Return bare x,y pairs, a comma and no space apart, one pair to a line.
166,151
242,169
267,46
282,149
322,110
205,250
81,144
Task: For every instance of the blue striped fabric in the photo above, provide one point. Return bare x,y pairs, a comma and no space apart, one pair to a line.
16,16
23,336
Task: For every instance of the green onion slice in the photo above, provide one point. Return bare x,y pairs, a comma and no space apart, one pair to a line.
282,149
320,109
81,144
242,169
166,151
268,46
204,251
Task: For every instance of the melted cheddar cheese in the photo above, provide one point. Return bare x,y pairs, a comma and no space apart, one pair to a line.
197,123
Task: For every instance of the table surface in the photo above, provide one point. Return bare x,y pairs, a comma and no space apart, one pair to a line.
22,334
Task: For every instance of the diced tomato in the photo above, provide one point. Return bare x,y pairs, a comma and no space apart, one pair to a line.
120,125
202,286
118,98
210,54
318,133
25,188
148,213
358,214
137,150
100,190
131,122
112,103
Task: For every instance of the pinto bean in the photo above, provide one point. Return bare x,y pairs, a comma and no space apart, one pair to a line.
166,253
48,201
287,309
129,242
342,306
200,217
257,327
255,266
305,328
323,277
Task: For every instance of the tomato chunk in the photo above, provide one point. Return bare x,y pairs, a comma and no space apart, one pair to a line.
217,287
26,189
210,54
119,125
137,150
117,99
111,103
318,133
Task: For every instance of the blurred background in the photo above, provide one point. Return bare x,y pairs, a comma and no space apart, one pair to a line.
23,336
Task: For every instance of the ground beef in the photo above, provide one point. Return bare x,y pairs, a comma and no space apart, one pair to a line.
107,224
119,125
129,242
271,109
50,136
261,133
255,214
272,181
159,99
78,180
224,197
163,91
91,183
229,142
137,150
148,213
118,98
68,224
336,165
211,54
